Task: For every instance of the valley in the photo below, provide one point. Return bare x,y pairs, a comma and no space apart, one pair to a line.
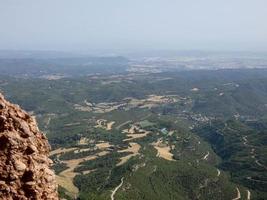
160,135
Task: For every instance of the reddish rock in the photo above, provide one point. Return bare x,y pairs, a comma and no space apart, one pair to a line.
24,162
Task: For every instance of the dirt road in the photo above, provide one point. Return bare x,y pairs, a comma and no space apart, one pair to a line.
206,156
238,194
116,189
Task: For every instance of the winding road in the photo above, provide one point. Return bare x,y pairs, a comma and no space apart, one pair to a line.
218,172
206,156
238,194
252,152
116,189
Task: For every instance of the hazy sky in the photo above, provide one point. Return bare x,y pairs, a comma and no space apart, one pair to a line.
133,24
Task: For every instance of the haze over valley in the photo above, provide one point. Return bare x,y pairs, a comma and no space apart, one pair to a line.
139,100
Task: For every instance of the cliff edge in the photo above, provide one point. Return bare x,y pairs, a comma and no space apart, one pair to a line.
24,162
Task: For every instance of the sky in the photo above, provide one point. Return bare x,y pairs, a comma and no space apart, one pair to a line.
79,25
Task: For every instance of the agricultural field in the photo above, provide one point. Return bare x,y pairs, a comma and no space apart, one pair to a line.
163,135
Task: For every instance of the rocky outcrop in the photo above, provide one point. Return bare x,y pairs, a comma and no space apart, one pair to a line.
24,162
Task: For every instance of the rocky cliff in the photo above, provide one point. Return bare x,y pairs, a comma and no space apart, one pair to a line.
24,162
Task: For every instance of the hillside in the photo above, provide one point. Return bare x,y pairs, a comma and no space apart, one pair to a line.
170,135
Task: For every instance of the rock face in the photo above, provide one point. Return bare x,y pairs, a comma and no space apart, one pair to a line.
24,162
